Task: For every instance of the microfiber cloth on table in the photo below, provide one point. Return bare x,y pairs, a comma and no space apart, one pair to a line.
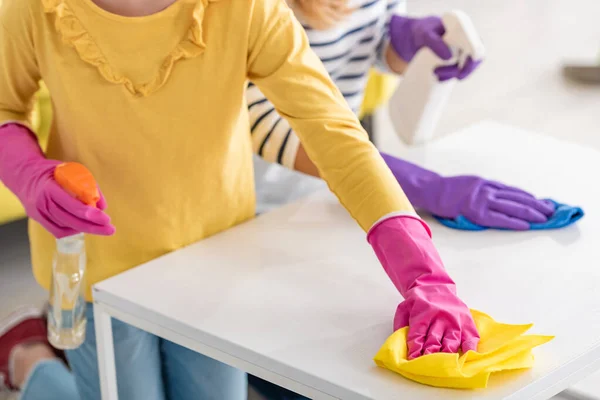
502,347
563,216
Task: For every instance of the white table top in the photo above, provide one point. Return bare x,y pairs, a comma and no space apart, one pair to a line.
299,292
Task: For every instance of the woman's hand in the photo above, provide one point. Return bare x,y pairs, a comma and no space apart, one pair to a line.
409,35
437,319
487,203
30,176
484,202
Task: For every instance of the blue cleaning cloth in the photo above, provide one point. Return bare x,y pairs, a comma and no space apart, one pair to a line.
563,216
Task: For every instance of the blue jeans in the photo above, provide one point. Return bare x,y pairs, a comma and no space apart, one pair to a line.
270,391
148,368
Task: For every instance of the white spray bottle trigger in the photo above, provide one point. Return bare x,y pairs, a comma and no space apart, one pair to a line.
462,37
419,100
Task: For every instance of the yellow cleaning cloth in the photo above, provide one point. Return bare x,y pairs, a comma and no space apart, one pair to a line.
502,347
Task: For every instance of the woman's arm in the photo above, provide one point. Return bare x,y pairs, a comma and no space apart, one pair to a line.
487,203
272,137
394,62
387,59
304,164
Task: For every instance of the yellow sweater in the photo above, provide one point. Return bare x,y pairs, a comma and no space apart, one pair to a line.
155,108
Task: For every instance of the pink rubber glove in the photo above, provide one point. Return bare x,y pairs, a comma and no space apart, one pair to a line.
437,319
30,176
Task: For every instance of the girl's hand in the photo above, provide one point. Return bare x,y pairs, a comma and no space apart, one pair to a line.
30,176
437,319
60,213
409,35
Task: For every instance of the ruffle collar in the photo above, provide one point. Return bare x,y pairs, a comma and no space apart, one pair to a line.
75,35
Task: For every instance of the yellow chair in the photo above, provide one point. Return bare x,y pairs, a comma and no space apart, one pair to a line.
380,88
40,119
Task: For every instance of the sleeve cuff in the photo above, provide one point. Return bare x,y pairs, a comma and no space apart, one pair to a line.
399,214
21,123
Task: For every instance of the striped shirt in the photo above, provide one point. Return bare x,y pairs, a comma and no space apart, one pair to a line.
348,51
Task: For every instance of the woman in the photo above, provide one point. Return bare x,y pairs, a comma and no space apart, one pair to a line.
350,38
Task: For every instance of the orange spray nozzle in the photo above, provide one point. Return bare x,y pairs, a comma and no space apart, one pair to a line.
78,181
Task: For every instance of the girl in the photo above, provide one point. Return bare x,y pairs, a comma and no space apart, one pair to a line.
150,96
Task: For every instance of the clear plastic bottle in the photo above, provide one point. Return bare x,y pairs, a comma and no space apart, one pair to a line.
66,316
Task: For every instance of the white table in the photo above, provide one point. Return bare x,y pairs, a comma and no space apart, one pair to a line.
298,298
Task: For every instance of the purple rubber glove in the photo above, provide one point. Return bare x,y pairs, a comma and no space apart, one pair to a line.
486,203
409,35
30,176
437,319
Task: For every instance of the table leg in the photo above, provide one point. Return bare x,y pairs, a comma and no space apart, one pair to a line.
106,353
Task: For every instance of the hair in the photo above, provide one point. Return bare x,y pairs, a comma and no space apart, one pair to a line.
321,14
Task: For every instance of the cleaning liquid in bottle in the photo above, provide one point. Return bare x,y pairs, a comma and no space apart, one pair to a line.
66,316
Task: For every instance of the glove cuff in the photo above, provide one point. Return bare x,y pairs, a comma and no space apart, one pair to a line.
401,38
398,214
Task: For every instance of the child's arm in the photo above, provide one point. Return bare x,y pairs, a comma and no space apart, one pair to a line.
282,65
19,75
23,168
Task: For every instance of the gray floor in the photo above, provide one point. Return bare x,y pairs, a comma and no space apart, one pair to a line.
17,285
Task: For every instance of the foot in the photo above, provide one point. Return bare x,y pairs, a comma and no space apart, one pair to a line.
24,357
18,332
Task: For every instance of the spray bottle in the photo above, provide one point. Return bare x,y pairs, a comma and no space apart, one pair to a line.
419,100
66,316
